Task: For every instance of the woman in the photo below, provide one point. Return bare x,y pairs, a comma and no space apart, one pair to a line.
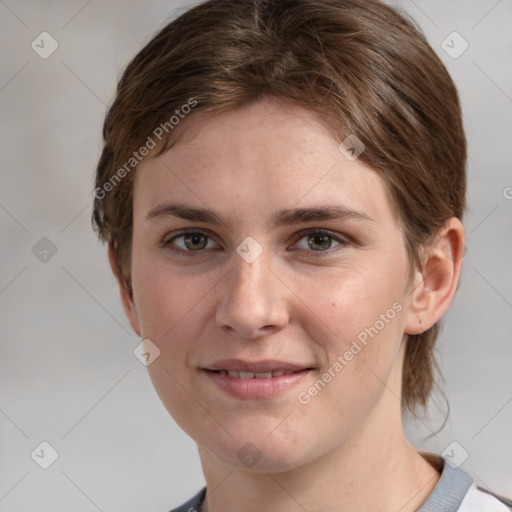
282,187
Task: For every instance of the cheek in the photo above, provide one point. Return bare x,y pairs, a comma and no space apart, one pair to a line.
362,359
353,303
171,312
166,297
170,307
359,330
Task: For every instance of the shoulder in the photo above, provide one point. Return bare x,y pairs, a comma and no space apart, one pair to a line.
478,499
194,503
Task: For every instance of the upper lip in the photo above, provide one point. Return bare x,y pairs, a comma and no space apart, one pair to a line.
267,365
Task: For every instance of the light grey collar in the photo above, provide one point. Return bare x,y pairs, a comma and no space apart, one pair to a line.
449,491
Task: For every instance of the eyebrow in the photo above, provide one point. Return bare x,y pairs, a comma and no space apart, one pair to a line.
280,218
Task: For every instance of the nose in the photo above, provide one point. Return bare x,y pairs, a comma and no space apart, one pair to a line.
253,300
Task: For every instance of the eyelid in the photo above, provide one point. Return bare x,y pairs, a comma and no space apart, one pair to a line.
185,231
321,231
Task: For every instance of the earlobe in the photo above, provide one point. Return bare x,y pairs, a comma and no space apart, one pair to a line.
129,306
436,282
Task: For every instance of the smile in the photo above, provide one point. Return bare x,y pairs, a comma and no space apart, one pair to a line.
255,385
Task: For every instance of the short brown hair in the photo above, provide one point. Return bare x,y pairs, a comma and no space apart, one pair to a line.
359,63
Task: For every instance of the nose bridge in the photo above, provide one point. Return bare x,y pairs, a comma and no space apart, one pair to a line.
252,301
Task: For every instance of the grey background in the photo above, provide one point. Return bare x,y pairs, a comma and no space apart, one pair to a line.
67,372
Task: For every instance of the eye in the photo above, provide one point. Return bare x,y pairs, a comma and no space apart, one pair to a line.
312,240
189,241
317,240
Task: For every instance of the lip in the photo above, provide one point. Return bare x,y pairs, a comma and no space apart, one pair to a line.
255,388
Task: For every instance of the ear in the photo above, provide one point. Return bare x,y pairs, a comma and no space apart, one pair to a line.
436,282
126,297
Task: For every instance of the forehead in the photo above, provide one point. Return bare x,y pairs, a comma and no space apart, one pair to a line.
261,156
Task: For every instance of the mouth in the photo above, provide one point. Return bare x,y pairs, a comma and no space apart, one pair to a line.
255,380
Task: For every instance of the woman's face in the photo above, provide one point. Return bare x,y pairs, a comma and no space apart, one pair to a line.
292,260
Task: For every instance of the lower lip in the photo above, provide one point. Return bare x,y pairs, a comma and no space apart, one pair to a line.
256,388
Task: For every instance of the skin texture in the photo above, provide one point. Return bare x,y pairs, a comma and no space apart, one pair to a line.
345,448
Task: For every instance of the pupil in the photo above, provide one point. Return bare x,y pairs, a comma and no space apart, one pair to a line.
192,241
320,241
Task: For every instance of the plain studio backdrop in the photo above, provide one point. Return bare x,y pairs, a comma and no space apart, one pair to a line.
68,375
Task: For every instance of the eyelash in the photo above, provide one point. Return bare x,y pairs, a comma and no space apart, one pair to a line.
166,242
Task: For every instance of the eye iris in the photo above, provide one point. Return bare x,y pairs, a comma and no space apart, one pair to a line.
319,241
195,238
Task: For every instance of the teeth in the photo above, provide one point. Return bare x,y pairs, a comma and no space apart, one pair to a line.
263,375
254,375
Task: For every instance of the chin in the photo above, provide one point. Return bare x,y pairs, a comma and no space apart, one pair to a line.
258,454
